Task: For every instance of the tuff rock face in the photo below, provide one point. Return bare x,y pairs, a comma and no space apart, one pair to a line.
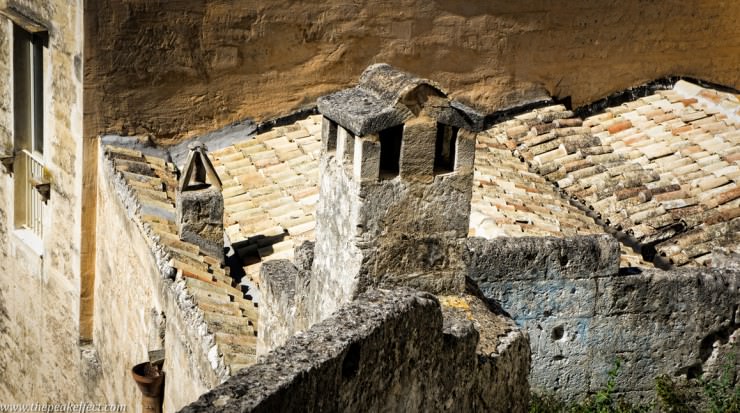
230,60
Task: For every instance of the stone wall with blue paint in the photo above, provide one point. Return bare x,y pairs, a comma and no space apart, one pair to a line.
582,314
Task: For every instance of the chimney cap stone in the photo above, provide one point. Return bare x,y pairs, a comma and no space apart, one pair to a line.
384,98
199,172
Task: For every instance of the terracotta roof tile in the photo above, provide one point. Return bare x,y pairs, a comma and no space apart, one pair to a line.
682,136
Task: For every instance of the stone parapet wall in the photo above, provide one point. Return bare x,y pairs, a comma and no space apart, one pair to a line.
139,308
581,314
395,350
541,258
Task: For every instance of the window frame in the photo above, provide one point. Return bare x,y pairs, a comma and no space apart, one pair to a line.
27,80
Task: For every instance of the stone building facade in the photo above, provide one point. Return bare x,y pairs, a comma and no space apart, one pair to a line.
41,93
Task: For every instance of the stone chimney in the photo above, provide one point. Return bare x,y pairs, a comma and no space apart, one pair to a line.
396,184
200,204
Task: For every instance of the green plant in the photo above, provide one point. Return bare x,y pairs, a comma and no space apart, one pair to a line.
706,395
603,399
670,398
722,394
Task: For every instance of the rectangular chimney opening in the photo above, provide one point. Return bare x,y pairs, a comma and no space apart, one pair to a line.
390,151
444,149
349,148
329,135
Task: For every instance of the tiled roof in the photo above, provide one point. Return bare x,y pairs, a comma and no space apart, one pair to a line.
510,200
270,187
230,317
663,168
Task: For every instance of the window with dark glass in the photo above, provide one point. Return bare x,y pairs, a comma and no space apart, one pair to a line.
32,188
28,90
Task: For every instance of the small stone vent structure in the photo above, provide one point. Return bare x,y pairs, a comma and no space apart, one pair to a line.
200,204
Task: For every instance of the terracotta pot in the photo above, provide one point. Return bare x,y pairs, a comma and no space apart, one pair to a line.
150,379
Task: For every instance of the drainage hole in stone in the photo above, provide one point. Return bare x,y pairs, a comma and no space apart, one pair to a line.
557,333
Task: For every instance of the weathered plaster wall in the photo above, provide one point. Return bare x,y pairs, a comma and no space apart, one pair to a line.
395,350
177,67
581,314
40,353
138,310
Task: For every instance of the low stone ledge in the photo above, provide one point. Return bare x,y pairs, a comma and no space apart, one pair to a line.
535,258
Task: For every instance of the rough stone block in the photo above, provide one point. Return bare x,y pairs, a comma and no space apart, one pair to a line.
200,219
366,164
433,264
465,151
303,255
637,371
562,376
417,150
666,293
442,207
556,338
528,258
560,298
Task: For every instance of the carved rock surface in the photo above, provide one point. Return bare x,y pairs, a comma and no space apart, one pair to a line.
179,67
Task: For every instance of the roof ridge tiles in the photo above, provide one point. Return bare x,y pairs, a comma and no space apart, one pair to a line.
176,257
